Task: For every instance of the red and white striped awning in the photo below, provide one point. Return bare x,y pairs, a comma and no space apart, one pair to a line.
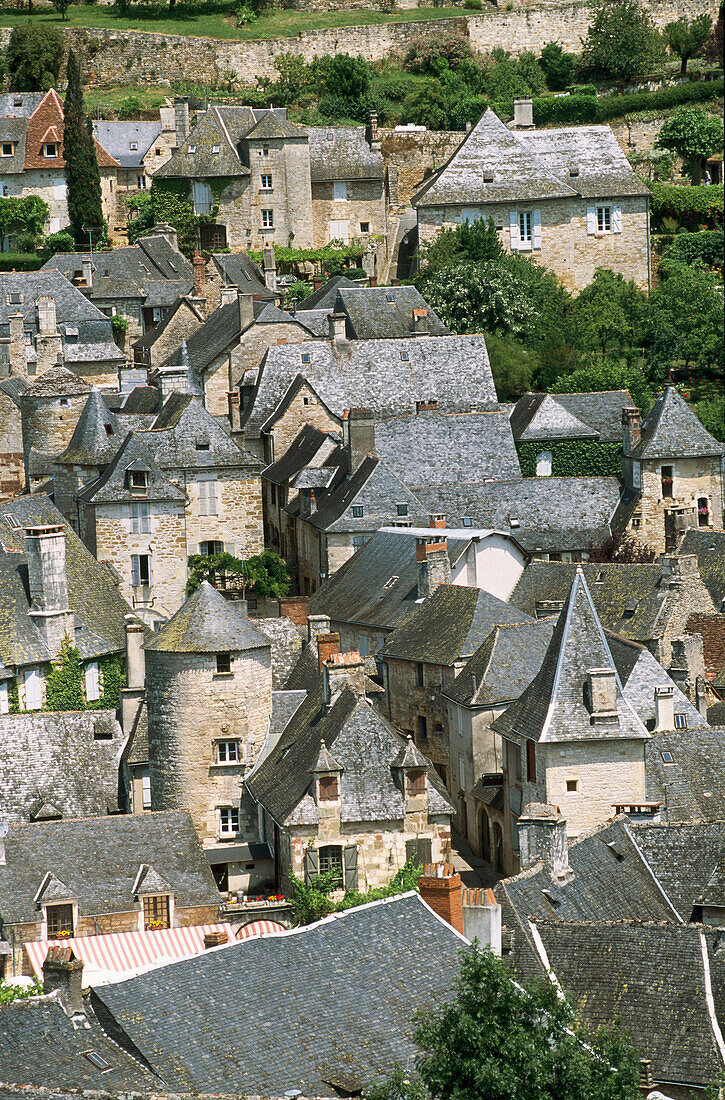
126,953
260,928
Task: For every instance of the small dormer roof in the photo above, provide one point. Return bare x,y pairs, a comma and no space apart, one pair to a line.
149,881
207,623
326,762
52,889
409,756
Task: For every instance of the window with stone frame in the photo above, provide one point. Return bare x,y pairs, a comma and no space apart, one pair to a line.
138,482
331,860
419,851
227,752
525,227
703,512
268,219
415,782
155,911
667,474
419,675
531,761
604,219
140,518
228,820
223,663
329,788
59,919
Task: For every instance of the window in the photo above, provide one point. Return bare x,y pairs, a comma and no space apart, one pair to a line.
680,721
268,219
604,219
140,518
419,850
33,689
703,512
421,728
358,541
667,757
50,149
93,686
415,782
265,150
339,188
404,357
4,698
467,521
156,911
138,481
363,645
266,181
133,146
97,1060
13,521
227,752
207,497
305,356
140,570
357,511
216,148
228,820
461,771
331,860
59,919
330,137
401,509
419,675
223,663
191,149
667,481
202,445
7,149
146,791
329,788
525,223
210,547
108,427
543,463
364,227
531,761
572,785
140,183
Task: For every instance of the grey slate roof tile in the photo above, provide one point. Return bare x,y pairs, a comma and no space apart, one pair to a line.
683,857
112,485
373,487
184,436
150,270
238,269
118,137
384,312
207,623
346,157
709,547
95,437
504,665
692,787
672,430
324,298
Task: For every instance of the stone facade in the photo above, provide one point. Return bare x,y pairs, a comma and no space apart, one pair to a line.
567,248
48,424
226,372
238,519
666,509
304,408
410,157
475,750
418,708
360,214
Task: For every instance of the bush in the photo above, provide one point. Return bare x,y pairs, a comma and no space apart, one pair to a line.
34,57
449,45
693,207
20,261
131,107
58,242
427,107
558,110
622,42
614,106
392,88
706,247
558,66
347,76
468,109
508,77
473,5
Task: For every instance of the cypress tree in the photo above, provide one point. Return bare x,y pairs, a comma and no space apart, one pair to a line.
82,173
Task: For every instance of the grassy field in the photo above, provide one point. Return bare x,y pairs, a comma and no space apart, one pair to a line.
216,20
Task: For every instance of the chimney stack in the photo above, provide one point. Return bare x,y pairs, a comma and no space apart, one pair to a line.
47,323
18,354
48,342
327,646
373,138
482,918
343,670
337,327
316,283
132,695
523,114
3,834
437,521
420,322
49,607
87,269
234,404
434,565
601,696
664,708
181,120
358,433
687,665
270,269
373,281
441,887
542,838
63,972
246,310
215,939
631,429
227,294
199,275
316,625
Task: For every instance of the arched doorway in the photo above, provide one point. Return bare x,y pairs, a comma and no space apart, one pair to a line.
485,837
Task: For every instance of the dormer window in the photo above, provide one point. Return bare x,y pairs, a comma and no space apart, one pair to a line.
358,511
7,149
59,919
133,146
329,788
50,149
15,298
109,429
401,509
488,179
415,782
155,911
138,482
216,148
191,149
574,170
202,445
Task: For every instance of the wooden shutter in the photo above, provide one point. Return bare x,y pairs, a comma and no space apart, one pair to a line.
135,571
514,230
419,850
312,865
531,761
616,219
536,232
591,221
350,865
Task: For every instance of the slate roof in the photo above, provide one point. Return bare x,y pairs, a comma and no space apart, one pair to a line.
384,312
304,449
150,270
683,857
207,623
651,977
450,626
528,165
342,153
226,129
504,665
238,269
709,547
434,449
29,1060
552,707
98,861
293,1018
182,425
640,673
570,416
544,514
112,485
324,298
672,430
286,643
67,760
92,591
95,437
692,787
372,486
57,381
454,370
118,137
85,331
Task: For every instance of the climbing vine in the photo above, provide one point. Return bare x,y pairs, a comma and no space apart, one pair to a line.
65,683
13,697
572,458
23,215
113,677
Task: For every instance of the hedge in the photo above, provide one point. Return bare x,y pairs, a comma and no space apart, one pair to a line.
707,247
572,458
20,261
693,207
555,110
301,255
585,108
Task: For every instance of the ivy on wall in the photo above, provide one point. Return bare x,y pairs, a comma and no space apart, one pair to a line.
13,697
113,678
65,683
572,458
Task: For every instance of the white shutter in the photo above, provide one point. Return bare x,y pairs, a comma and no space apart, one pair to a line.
4,698
33,690
616,219
146,792
92,682
207,497
536,237
135,571
340,190
591,221
514,228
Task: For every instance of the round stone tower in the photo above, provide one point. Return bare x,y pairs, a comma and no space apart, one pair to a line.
50,408
209,698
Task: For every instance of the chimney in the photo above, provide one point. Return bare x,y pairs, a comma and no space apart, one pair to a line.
87,269
246,311
358,432
181,120
18,354
646,1080
215,939
482,918
167,118
48,342
664,708
3,834
434,566
47,325
316,625
132,695
542,838
688,663
327,646
337,324
373,281
270,269
631,429
343,670
63,972
199,275
601,696
227,294
523,114
316,283
234,404
420,322
441,887
437,521
49,609
373,139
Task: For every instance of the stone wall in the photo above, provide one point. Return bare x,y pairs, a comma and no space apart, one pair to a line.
112,57
363,205
606,773
238,520
47,429
410,157
408,700
693,479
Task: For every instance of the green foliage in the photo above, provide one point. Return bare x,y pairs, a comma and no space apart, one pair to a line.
609,314
64,683
603,377
686,324
694,135
472,242
34,57
82,173
622,41
58,242
119,324
20,261
297,291
451,45
572,458
621,548
712,414
513,365
329,255
508,77
13,697
706,248
558,66
400,1085
264,574
61,6
23,216
497,1041
615,106
164,204
10,992
112,671
559,110
312,901
472,297
686,37
427,107
131,107
244,15
347,76
692,207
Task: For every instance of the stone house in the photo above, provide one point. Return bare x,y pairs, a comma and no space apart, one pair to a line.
673,472
566,197
139,148
348,189
369,312
100,875
552,429
50,407
342,791
572,738
32,163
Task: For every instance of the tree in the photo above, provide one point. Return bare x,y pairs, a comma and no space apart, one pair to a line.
472,297
513,366
694,135
159,205
83,177
347,76
427,107
625,549
603,377
311,901
609,314
558,66
34,57
61,6
711,412
622,42
494,1039
686,325
264,574
686,37
472,242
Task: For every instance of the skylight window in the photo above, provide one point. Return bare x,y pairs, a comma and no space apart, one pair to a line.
514,521
191,149
680,721
404,357
330,137
305,357
390,583
667,757
12,520
97,1060
216,148
467,521
133,146
389,298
